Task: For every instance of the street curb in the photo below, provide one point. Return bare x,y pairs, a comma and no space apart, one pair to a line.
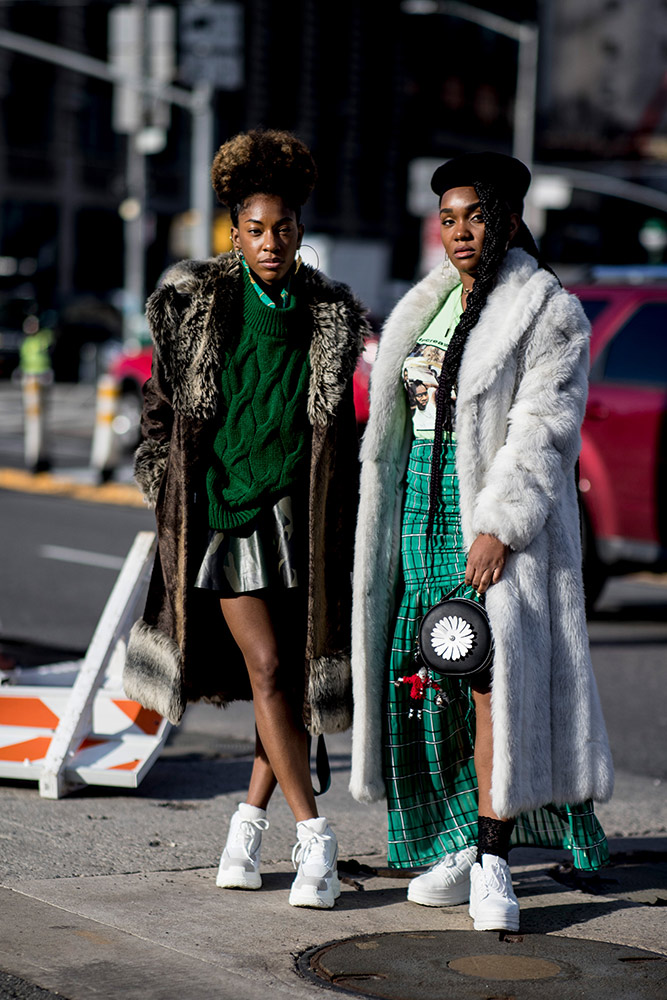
47,484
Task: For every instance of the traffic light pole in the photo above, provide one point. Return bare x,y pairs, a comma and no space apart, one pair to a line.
198,102
201,152
527,36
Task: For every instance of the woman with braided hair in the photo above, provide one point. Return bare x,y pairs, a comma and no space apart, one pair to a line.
249,456
485,495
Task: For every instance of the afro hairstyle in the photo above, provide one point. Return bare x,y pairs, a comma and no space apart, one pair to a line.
263,161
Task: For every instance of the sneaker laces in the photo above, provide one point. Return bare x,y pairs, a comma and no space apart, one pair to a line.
301,852
450,860
495,878
447,862
249,828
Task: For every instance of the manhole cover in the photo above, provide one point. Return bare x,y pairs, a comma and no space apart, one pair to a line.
430,965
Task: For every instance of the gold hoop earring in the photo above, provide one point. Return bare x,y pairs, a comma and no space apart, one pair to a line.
307,246
297,260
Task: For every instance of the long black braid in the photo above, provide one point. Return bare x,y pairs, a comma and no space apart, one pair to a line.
496,214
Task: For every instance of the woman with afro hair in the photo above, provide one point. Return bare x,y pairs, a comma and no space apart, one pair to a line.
484,496
249,456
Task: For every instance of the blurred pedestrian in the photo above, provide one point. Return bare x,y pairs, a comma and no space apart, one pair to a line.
249,455
36,349
36,380
487,497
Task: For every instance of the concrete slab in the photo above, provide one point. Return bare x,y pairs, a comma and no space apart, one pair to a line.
257,937
81,959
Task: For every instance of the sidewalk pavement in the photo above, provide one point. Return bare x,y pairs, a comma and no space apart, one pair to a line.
111,894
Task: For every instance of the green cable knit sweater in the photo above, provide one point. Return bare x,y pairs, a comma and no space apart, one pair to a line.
262,441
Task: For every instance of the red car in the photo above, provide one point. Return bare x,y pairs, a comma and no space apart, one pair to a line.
131,367
623,465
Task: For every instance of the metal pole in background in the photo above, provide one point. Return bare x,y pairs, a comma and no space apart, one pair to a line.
224,65
95,68
127,37
211,58
201,152
132,211
526,95
527,35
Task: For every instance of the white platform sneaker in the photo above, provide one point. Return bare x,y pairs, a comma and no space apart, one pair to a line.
239,864
315,856
493,905
446,883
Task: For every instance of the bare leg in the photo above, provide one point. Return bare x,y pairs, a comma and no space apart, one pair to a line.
484,751
484,567
262,779
493,904
282,750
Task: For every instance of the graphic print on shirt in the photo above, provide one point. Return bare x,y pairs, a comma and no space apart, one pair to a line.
421,373
422,367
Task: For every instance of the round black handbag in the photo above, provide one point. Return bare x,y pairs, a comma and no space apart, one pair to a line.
455,638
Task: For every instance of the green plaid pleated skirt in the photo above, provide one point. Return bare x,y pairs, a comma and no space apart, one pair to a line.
428,763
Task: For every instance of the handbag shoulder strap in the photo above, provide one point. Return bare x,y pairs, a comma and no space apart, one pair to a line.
323,768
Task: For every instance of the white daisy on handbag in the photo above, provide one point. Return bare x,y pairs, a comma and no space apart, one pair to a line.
452,638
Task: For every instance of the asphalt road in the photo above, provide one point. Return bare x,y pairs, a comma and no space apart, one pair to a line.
60,558
628,633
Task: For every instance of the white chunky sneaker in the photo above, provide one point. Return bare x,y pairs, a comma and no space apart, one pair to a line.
239,864
316,855
447,882
493,905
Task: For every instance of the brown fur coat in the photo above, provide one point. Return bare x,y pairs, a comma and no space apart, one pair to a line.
181,650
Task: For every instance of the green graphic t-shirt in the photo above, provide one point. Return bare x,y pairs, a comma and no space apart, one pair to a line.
421,371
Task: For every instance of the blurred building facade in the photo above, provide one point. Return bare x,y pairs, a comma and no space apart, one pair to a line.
605,80
603,108
370,89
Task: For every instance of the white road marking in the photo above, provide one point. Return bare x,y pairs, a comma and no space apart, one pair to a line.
81,556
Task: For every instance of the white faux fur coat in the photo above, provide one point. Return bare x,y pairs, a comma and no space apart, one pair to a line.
522,389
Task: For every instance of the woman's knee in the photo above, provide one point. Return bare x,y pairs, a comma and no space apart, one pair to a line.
266,672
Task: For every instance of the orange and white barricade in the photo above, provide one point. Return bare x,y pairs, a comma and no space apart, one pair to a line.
104,449
36,389
87,733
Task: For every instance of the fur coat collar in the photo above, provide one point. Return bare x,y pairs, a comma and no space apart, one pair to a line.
508,315
193,311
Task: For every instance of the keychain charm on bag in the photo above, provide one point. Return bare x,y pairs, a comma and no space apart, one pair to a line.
419,683
454,638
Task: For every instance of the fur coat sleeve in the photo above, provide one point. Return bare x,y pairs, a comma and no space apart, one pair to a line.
165,310
150,458
527,468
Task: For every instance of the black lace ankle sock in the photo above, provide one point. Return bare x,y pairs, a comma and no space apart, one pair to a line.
493,837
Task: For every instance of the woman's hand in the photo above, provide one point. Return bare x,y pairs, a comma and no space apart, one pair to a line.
486,561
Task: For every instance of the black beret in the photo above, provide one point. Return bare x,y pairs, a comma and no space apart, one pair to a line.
509,175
